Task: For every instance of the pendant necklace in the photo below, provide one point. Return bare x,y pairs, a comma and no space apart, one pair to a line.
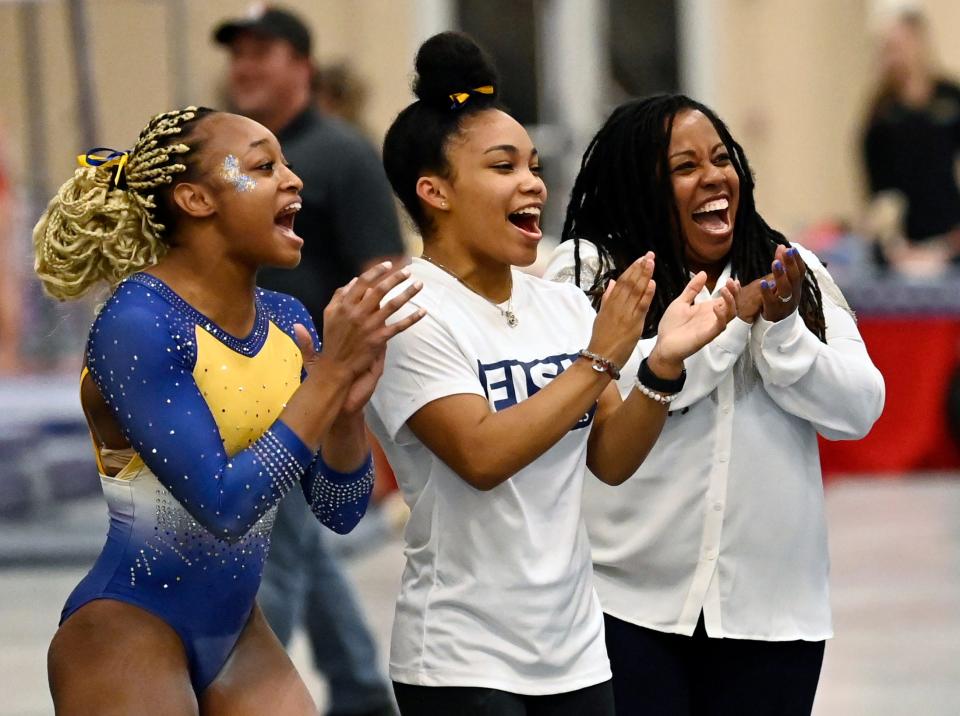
507,312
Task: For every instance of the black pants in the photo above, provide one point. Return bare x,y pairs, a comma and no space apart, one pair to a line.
470,701
675,675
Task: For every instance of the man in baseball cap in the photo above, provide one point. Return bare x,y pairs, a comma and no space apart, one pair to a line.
268,21
270,65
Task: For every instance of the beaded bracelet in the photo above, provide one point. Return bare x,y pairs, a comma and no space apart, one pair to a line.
654,395
663,390
660,385
601,364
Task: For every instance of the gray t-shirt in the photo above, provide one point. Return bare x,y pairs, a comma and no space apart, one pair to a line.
348,216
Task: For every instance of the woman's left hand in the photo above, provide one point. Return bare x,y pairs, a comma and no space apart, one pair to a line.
364,385
686,327
781,296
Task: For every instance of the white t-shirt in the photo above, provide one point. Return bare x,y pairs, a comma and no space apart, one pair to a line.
725,515
498,587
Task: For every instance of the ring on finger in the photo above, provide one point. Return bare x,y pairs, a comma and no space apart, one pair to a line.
785,299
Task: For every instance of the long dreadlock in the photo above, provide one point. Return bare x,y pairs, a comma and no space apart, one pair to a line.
622,202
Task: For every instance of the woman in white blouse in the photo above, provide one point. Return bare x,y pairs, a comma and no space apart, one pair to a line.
711,562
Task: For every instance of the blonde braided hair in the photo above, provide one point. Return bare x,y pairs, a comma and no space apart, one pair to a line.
96,229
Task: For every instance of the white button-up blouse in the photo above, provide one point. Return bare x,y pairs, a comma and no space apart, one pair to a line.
726,514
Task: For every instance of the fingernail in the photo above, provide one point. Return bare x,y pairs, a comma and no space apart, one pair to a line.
791,252
777,265
766,285
387,264
352,281
418,285
405,271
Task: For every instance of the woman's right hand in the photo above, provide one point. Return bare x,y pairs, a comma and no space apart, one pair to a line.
623,310
342,377
750,300
355,327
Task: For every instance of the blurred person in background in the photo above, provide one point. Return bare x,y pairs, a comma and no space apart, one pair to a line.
339,92
197,433
911,145
11,300
349,223
711,561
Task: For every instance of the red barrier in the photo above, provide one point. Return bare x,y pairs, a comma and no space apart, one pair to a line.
917,357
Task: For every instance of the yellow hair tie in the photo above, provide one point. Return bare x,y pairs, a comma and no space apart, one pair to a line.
104,157
460,98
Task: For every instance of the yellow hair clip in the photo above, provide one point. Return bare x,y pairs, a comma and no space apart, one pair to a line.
460,98
105,157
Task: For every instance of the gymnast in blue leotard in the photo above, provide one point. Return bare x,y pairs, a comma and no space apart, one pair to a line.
199,432
191,508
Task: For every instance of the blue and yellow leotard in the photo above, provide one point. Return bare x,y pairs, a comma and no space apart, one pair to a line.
192,509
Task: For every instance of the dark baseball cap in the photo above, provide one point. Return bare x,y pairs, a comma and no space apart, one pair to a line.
269,21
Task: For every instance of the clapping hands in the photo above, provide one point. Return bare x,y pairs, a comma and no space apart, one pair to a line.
687,326
355,329
776,295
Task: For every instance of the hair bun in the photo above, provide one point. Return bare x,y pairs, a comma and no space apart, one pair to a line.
452,62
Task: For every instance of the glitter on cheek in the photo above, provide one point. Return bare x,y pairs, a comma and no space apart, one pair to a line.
231,173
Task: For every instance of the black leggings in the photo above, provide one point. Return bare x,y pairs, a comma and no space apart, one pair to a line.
471,701
676,675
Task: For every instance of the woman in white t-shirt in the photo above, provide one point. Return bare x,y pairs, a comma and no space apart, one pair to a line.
493,405
711,562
